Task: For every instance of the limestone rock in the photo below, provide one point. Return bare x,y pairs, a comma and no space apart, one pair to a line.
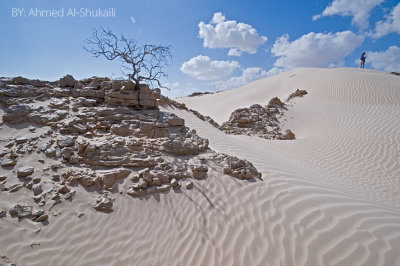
66,142
199,170
108,177
142,183
21,211
37,189
297,93
146,175
67,81
36,180
25,171
17,114
274,102
121,130
51,152
38,213
20,80
7,162
103,203
289,135
189,185
37,198
87,180
66,152
64,189
21,140
136,192
241,169
256,120
42,218
174,182
15,188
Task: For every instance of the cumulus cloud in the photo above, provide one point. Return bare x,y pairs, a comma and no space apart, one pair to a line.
234,52
239,37
388,60
315,49
391,24
218,18
248,75
172,85
358,9
203,68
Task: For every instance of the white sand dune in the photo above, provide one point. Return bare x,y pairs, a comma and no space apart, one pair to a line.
330,197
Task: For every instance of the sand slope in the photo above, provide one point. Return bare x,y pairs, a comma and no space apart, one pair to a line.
330,197
347,127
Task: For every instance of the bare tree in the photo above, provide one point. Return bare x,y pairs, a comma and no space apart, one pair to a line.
143,63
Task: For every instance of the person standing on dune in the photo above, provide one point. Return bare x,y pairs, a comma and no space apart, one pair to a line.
362,60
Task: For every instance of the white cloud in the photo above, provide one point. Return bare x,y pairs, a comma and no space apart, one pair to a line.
248,75
203,68
234,52
316,17
358,9
391,24
218,18
230,34
388,60
172,85
315,49
133,20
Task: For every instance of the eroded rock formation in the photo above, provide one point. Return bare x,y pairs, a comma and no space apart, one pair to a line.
94,133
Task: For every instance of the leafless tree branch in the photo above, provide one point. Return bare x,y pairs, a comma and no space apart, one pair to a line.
142,63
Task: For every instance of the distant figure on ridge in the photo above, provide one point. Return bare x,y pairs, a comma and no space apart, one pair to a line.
362,60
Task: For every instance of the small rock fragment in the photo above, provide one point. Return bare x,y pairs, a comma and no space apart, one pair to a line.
189,185
37,189
38,213
7,162
289,135
64,189
104,203
25,171
174,182
42,218
15,188
20,211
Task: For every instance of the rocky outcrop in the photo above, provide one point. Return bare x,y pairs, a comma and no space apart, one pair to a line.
194,94
97,133
261,121
167,101
238,168
115,93
255,120
104,203
297,93
67,81
24,81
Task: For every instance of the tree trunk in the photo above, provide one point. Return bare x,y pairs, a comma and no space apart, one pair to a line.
137,88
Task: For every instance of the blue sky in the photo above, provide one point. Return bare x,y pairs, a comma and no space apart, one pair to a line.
215,44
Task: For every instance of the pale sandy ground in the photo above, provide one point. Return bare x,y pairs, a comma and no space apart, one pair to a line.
330,197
